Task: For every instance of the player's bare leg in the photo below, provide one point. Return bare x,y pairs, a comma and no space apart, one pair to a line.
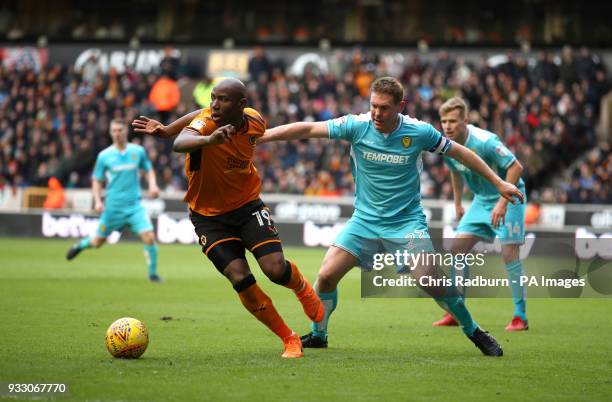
285,273
336,263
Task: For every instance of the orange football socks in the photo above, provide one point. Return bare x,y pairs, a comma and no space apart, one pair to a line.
260,305
296,282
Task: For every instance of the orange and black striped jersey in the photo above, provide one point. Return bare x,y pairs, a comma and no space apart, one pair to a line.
222,177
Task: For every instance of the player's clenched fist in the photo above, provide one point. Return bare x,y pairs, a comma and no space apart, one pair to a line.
222,134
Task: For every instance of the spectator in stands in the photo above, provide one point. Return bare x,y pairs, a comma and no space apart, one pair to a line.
55,197
165,96
567,70
170,63
259,65
91,70
201,92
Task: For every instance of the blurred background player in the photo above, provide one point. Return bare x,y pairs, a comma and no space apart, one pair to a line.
225,208
119,167
385,151
489,216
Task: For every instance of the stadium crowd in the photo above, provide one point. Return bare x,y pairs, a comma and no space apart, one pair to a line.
52,123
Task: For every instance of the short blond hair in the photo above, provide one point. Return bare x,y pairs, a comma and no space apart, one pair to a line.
454,103
120,121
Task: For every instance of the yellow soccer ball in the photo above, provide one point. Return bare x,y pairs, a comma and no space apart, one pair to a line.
127,338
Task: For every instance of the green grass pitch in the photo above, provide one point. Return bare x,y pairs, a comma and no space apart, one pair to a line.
54,315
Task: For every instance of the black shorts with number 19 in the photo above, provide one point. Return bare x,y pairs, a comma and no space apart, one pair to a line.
225,237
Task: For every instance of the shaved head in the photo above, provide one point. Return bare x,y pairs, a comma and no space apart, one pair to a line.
233,87
227,102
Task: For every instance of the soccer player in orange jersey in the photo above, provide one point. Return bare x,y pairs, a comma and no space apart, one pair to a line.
224,203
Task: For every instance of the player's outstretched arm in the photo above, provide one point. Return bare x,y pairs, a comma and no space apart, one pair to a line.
295,131
148,126
475,163
190,140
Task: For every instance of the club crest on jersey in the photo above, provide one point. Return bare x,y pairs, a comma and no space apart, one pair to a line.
252,140
133,157
203,240
406,141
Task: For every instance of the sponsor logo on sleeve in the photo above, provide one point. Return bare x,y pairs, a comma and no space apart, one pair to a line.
501,151
339,121
198,124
